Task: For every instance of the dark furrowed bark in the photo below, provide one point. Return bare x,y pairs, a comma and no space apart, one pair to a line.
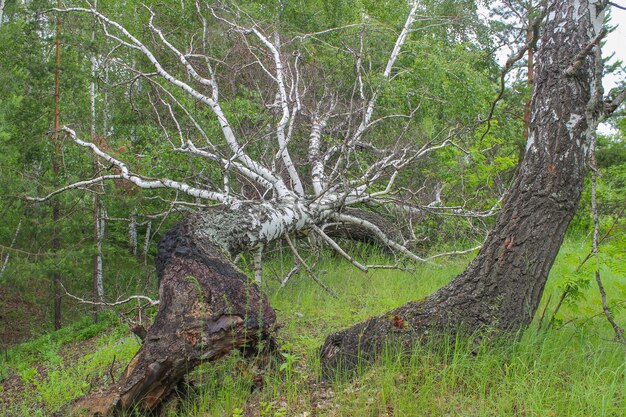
207,308
501,289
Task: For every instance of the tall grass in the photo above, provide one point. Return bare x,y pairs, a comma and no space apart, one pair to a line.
571,370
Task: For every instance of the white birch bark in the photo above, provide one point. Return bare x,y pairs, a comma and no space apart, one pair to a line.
400,40
99,225
279,206
8,256
315,157
132,232
146,242
98,210
258,263
1,12
284,105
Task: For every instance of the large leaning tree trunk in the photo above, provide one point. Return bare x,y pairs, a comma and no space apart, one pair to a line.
501,289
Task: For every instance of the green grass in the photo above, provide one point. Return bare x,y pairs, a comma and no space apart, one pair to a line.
58,367
571,370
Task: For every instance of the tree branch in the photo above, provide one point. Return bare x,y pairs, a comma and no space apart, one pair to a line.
380,234
212,103
147,184
150,301
574,67
308,269
76,185
611,104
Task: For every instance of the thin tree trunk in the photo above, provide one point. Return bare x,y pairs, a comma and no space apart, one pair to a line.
132,233
146,242
98,218
530,68
99,227
619,332
105,104
8,256
501,289
56,241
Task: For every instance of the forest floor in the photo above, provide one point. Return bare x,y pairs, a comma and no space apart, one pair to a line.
21,317
572,369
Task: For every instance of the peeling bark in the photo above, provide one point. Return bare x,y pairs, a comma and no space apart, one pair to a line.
501,289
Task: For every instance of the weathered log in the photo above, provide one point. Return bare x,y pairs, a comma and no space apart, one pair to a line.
207,308
501,289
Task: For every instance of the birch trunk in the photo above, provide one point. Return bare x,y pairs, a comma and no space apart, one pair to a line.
501,289
146,242
56,205
8,255
132,233
98,218
98,209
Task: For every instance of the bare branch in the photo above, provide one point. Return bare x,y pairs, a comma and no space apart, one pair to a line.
308,269
611,104
279,77
617,5
76,185
452,253
294,270
380,234
456,211
150,301
212,103
143,183
190,69
592,120
580,58
530,44
387,72
323,32
338,248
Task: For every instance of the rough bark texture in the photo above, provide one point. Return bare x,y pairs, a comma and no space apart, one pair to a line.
502,287
207,308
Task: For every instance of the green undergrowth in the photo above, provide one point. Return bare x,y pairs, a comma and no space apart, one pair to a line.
571,369
40,377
